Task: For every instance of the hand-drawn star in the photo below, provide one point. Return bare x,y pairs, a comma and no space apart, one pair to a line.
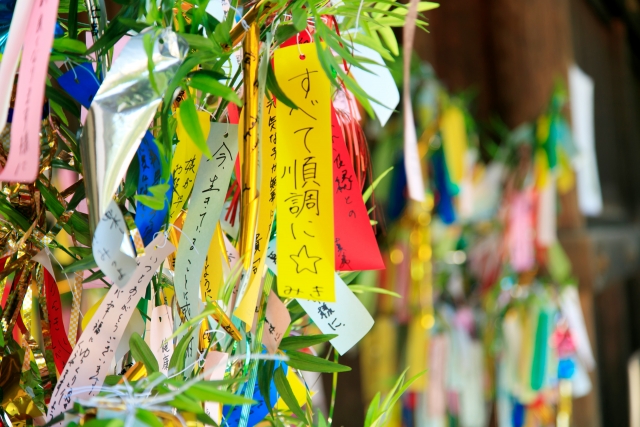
305,262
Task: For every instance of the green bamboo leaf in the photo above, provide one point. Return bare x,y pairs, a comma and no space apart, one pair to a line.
85,263
80,251
373,407
187,404
131,179
111,422
206,419
304,341
134,25
210,73
148,41
307,362
299,18
207,84
62,99
276,90
369,191
65,44
265,376
359,289
190,121
389,37
142,353
176,364
157,199
284,32
207,391
60,113
95,276
198,42
148,418
285,391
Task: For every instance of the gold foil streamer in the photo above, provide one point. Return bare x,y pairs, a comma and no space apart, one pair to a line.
134,373
76,294
223,320
12,307
249,144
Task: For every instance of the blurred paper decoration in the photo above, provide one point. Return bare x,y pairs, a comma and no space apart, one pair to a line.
454,143
122,110
581,88
412,161
378,83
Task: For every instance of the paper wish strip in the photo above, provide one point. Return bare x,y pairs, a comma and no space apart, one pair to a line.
346,317
23,162
305,175
355,244
205,206
107,241
11,55
89,363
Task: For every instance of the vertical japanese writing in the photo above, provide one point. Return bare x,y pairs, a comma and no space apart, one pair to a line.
266,209
107,241
22,164
185,163
88,365
304,178
205,206
355,243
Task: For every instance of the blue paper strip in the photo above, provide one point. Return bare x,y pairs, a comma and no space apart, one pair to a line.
150,221
81,83
258,411
444,204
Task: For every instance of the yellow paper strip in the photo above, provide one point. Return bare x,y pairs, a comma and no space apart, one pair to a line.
185,163
454,136
266,208
305,187
212,277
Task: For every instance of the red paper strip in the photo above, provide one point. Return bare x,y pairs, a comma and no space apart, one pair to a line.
355,244
59,341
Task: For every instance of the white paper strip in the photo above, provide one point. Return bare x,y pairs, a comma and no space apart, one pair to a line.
572,310
581,87
378,83
346,317
207,199
107,241
214,367
161,330
89,363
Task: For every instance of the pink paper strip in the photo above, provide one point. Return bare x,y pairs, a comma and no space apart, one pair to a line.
11,55
24,154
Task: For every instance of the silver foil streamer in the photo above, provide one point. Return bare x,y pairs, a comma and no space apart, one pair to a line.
121,112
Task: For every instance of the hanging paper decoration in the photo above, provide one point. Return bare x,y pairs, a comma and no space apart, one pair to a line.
214,194
305,196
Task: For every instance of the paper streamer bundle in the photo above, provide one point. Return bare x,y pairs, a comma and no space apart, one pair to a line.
144,181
